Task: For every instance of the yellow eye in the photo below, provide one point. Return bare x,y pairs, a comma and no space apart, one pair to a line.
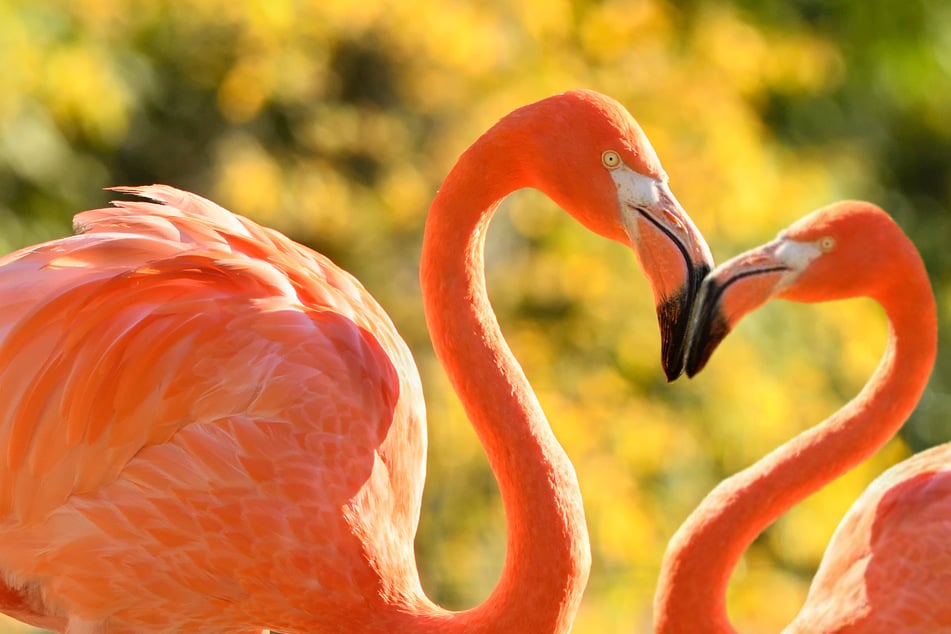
611,159
827,244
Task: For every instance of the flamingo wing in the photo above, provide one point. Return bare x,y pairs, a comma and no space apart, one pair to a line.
187,393
888,566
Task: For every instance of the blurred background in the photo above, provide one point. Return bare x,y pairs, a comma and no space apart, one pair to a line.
335,121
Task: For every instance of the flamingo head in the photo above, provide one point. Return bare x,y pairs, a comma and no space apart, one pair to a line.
837,252
596,163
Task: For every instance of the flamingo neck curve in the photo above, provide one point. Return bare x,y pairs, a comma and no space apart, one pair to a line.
701,556
548,553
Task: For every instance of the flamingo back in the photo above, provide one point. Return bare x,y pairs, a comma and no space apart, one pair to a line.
200,421
888,565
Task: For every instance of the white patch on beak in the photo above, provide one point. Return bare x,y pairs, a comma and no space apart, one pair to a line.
796,255
635,191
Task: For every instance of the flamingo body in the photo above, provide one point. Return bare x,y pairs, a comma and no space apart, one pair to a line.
891,552
887,569
206,427
223,372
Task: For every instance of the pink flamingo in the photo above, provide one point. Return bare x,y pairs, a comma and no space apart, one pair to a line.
206,427
887,569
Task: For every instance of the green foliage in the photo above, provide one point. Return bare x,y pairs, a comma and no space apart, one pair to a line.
335,122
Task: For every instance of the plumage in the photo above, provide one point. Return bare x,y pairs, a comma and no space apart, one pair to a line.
172,349
891,550
207,427
887,569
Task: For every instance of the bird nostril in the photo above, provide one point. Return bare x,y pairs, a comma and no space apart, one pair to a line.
673,218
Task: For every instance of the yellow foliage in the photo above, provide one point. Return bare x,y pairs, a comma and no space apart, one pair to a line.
249,179
763,599
244,90
81,91
352,161
615,30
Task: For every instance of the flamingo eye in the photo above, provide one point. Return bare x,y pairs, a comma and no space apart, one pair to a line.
610,159
827,244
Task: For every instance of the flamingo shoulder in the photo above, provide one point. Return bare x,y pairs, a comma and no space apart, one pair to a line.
888,562
159,315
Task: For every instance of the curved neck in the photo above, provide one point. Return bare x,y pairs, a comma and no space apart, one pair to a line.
691,595
547,556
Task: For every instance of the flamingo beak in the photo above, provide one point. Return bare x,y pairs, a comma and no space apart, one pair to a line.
676,258
732,290
673,317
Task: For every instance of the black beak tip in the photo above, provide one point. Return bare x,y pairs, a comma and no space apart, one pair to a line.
673,315
693,367
710,332
673,362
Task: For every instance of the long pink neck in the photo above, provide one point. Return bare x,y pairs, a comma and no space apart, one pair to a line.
691,595
548,554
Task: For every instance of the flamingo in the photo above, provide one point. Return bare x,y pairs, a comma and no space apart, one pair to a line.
887,568
207,427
